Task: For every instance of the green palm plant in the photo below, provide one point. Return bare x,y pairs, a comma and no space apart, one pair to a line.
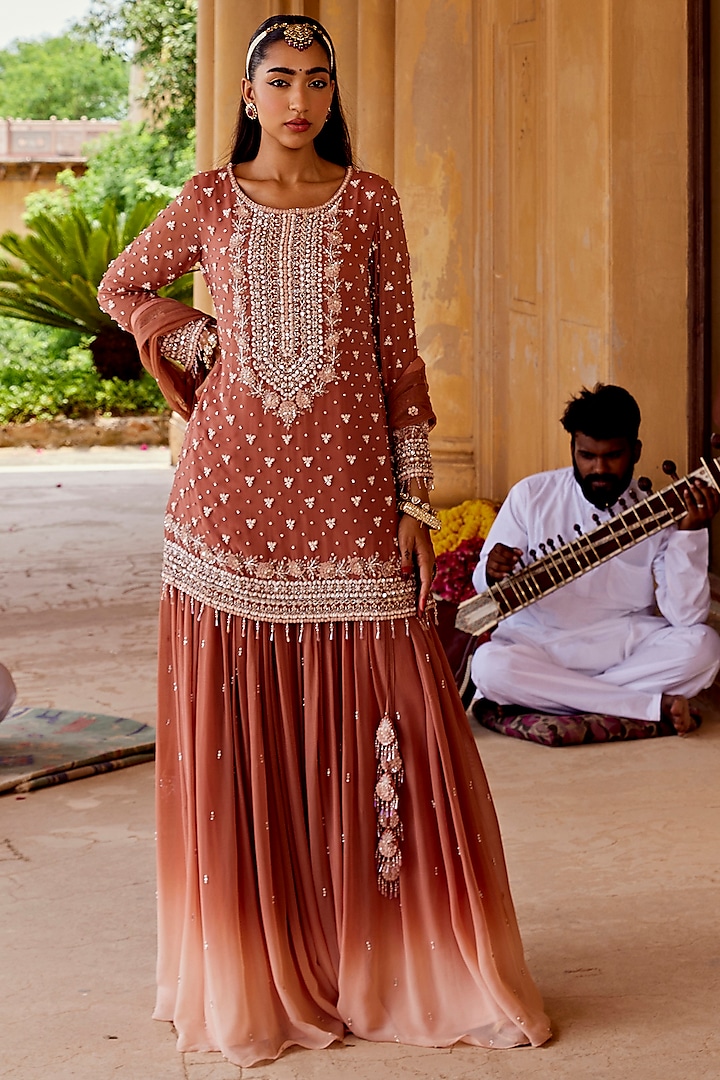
54,271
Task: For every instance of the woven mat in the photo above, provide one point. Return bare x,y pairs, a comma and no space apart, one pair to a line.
40,747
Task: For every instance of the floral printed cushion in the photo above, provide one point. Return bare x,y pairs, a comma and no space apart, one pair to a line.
572,729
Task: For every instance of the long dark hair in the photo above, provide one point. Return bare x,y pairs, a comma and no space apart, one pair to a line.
333,142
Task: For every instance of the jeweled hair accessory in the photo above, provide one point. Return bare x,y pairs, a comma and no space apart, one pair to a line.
298,35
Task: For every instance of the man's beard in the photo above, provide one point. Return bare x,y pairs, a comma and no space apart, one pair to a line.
603,489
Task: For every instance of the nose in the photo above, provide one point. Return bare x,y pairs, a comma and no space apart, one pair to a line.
298,101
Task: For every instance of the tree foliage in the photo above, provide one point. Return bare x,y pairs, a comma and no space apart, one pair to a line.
46,373
161,37
65,76
128,167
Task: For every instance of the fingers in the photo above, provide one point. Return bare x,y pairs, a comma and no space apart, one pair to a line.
406,559
702,502
501,562
417,556
425,558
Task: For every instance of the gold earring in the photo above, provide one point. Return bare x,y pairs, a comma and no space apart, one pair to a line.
251,111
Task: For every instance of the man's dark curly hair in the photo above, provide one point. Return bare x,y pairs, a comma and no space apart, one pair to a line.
605,412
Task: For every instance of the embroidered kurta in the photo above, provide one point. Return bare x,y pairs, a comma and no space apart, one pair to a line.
603,626
283,505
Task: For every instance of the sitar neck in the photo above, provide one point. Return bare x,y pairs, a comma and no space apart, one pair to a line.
562,562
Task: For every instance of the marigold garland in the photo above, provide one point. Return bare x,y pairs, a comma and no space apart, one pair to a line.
467,521
457,547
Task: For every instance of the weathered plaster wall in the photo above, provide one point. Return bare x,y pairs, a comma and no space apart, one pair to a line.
540,151
14,189
648,284
587,249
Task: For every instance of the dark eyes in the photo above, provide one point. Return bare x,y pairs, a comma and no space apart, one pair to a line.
316,84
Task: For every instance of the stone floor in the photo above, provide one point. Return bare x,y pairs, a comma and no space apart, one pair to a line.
613,850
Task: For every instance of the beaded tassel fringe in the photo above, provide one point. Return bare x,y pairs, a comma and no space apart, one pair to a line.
390,775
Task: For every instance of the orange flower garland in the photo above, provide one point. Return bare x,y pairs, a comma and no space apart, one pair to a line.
457,547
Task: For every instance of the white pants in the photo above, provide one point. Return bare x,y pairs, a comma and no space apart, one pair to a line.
672,660
7,691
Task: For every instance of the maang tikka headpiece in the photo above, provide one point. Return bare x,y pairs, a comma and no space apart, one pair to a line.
299,35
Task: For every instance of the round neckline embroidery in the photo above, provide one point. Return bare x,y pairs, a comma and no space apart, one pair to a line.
245,198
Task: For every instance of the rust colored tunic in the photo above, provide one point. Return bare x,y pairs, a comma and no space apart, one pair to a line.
283,505
304,887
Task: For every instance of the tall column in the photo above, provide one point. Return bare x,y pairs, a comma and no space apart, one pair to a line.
376,86
232,32
435,150
340,19
205,89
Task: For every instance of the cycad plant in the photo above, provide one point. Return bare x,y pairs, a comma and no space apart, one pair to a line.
54,271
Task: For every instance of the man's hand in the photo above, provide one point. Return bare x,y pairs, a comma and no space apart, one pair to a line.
502,560
703,502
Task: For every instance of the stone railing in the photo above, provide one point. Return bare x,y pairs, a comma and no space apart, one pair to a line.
51,141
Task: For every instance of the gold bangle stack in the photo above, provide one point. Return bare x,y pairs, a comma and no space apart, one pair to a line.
416,508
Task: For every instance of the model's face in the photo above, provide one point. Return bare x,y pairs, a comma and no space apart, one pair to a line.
292,91
603,467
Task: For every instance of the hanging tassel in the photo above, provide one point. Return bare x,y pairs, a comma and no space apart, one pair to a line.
390,774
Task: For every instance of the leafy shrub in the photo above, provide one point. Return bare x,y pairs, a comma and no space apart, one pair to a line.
47,373
127,167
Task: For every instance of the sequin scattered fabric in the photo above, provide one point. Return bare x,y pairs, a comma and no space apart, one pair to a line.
283,505
390,775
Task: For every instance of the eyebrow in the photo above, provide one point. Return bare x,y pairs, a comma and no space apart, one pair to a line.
292,71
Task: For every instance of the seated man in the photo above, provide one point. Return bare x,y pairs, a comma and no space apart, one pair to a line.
627,638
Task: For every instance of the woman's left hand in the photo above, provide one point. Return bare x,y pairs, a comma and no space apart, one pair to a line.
417,556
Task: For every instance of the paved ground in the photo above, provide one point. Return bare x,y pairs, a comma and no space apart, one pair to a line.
613,850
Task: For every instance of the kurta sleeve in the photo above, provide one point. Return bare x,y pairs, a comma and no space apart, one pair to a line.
410,414
161,253
682,586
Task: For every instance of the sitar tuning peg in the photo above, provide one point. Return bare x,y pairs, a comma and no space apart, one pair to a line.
670,469
645,484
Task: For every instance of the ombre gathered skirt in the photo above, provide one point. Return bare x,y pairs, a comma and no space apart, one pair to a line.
272,929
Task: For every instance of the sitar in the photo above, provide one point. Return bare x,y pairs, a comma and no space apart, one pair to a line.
561,562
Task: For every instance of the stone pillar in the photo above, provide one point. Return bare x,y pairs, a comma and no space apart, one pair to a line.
583,257
232,32
436,132
539,150
205,85
375,140
340,18
648,258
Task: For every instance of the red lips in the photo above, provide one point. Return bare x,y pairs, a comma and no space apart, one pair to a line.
298,125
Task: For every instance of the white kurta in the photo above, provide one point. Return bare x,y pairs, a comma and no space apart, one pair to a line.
616,639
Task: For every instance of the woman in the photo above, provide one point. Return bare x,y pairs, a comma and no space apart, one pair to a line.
328,856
